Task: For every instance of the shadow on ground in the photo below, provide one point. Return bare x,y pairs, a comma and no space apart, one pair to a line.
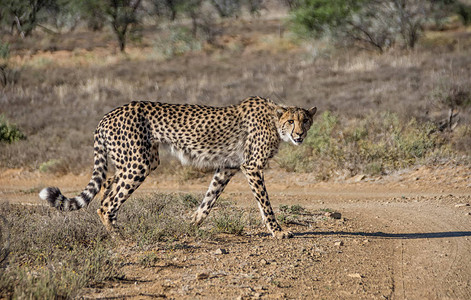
425,235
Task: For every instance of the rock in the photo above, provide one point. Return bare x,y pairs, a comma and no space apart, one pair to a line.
461,204
202,276
338,243
276,296
355,275
358,178
333,215
220,251
264,261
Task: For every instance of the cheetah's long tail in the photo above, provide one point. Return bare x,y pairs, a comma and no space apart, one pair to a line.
54,196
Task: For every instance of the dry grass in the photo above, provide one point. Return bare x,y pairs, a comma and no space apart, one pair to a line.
56,254
61,96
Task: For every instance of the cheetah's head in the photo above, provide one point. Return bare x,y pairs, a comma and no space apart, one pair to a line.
294,122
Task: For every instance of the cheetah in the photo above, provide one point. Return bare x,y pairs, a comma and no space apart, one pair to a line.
227,139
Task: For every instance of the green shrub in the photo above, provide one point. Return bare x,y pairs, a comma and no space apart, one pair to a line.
316,16
9,133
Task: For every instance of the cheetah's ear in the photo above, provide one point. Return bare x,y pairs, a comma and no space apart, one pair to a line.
280,110
312,111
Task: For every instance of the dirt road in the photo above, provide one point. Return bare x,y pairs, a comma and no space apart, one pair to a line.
404,236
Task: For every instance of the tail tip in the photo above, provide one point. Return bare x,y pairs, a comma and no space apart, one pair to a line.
51,195
44,193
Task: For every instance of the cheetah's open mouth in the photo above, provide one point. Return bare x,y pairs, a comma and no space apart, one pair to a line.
298,140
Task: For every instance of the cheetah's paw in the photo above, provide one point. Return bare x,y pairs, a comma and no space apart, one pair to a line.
283,234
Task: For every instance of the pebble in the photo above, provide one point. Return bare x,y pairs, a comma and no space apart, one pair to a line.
202,276
333,215
257,295
338,243
355,275
461,204
358,178
220,251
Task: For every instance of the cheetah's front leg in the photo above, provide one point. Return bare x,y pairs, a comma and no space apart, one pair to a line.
216,187
254,176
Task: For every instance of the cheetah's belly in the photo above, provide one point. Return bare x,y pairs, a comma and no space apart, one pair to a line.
231,156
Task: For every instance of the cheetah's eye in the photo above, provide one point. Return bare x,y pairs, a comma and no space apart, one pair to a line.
291,122
305,121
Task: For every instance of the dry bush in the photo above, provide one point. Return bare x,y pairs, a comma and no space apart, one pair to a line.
461,140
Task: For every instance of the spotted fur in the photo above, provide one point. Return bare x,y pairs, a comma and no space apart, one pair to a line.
239,137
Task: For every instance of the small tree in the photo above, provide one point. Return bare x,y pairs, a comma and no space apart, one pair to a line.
192,8
93,12
410,17
23,14
8,75
452,94
168,8
4,55
122,14
373,23
226,8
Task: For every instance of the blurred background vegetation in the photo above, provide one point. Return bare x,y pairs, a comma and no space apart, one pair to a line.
391,78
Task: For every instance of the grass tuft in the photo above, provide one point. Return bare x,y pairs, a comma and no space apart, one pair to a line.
159,218
230,222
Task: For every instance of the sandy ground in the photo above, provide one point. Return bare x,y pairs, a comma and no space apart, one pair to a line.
402,236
